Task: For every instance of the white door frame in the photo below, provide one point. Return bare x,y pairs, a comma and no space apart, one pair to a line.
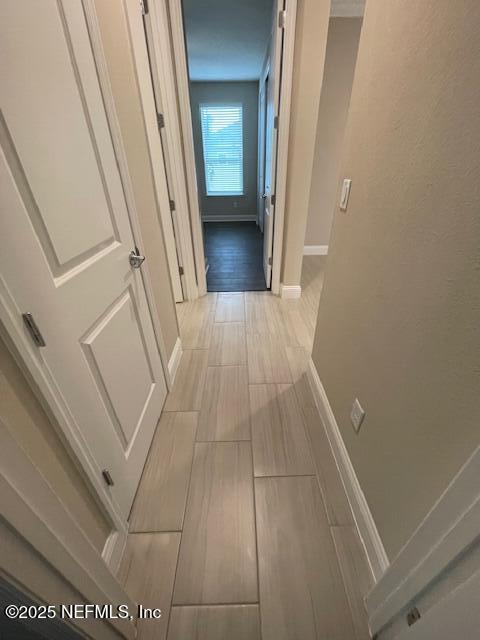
261,140
140,56
25,353
449,529
178,38
290,8
163,68
187,150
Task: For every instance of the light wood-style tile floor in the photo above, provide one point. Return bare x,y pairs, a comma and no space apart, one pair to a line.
241,529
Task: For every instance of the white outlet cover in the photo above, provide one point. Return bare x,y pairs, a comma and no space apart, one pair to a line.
347,183
357,415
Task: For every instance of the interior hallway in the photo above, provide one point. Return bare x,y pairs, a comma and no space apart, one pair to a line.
240,528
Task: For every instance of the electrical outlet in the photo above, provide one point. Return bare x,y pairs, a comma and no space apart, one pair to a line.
347,183
357,415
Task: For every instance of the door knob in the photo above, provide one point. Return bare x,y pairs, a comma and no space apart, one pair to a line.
136,259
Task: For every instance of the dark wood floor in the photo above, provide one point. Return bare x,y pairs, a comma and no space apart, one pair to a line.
235,255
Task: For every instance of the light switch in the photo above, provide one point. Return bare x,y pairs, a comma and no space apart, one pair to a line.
345,194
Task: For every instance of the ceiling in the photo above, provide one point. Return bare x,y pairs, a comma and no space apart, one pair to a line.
227,39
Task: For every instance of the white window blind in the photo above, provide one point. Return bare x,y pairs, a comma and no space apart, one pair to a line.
222,137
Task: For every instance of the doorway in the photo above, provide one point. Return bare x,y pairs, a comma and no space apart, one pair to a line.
231,53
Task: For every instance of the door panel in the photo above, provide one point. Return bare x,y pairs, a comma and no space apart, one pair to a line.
157,95
124,396
273,99
262,123
66,239
62,116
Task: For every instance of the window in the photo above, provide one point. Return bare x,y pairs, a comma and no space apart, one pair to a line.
222,136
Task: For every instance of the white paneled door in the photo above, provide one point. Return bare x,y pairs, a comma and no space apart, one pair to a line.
66,239
273,102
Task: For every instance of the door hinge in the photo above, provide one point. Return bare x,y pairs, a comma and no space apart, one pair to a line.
33,330
107,477
275,122
282,19
172,205
181,270
413,616
144,6
273,199
160,120
270,261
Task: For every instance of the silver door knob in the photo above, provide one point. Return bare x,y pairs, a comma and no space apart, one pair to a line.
136,260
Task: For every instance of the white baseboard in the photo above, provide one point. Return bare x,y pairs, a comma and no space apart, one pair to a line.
315,250
233,218
290,291
366,527
175,360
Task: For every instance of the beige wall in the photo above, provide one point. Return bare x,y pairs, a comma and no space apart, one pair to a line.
20,409
246,93
310,44
121,70
399,317
340,58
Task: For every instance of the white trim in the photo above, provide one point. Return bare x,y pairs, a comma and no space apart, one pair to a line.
315,250
367,529
262,131
33,510
144,82
446,532
230,218
183,95
180,62
175,358
282,140
163,67
290,291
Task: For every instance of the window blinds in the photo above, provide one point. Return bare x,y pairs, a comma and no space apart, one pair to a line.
222,138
